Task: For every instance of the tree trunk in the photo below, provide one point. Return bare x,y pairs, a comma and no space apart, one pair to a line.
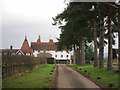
82,53
109,63
101,45
119,37
74,57
77,56
95,46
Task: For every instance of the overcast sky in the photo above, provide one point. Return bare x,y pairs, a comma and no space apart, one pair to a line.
31,18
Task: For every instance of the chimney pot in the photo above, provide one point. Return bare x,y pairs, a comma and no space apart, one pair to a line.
11,47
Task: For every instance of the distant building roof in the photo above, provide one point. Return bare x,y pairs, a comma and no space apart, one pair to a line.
8,50
39,41
44,55
51,41
43,46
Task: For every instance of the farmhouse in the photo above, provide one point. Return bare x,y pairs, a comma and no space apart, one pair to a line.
51,48
25,50
40,49
10,51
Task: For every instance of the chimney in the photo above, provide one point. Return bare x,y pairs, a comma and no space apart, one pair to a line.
10,47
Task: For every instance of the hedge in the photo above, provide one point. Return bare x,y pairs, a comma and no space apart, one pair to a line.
12,65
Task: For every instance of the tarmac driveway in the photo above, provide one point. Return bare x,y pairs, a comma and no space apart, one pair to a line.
69,78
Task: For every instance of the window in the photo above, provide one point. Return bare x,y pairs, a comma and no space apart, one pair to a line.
55,55
61,55
28,54
44,51
19,53
66,55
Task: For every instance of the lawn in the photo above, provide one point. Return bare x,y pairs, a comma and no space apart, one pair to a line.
34,79
107,77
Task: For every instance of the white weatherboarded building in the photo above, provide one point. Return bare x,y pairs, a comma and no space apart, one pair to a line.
51,48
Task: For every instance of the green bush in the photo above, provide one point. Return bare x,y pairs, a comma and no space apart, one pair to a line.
20,60
17,64
50,60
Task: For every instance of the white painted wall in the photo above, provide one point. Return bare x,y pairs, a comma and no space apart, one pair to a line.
55,54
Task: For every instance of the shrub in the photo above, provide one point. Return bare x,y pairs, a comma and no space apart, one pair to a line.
20,64
50,60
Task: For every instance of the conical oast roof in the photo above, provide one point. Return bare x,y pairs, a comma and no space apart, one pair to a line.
39,39
25,47
51,41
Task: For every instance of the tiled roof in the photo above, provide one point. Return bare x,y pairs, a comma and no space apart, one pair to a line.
8,51
25,47
44,55
50,41
43,46
39,41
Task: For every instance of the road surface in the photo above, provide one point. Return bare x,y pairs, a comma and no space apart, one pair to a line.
69,78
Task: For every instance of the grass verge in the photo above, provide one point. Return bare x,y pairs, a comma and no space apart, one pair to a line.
40,78
107,77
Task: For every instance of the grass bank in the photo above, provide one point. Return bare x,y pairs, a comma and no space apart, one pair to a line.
40,78
107,77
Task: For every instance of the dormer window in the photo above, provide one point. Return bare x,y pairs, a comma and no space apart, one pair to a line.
19,53
28,54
